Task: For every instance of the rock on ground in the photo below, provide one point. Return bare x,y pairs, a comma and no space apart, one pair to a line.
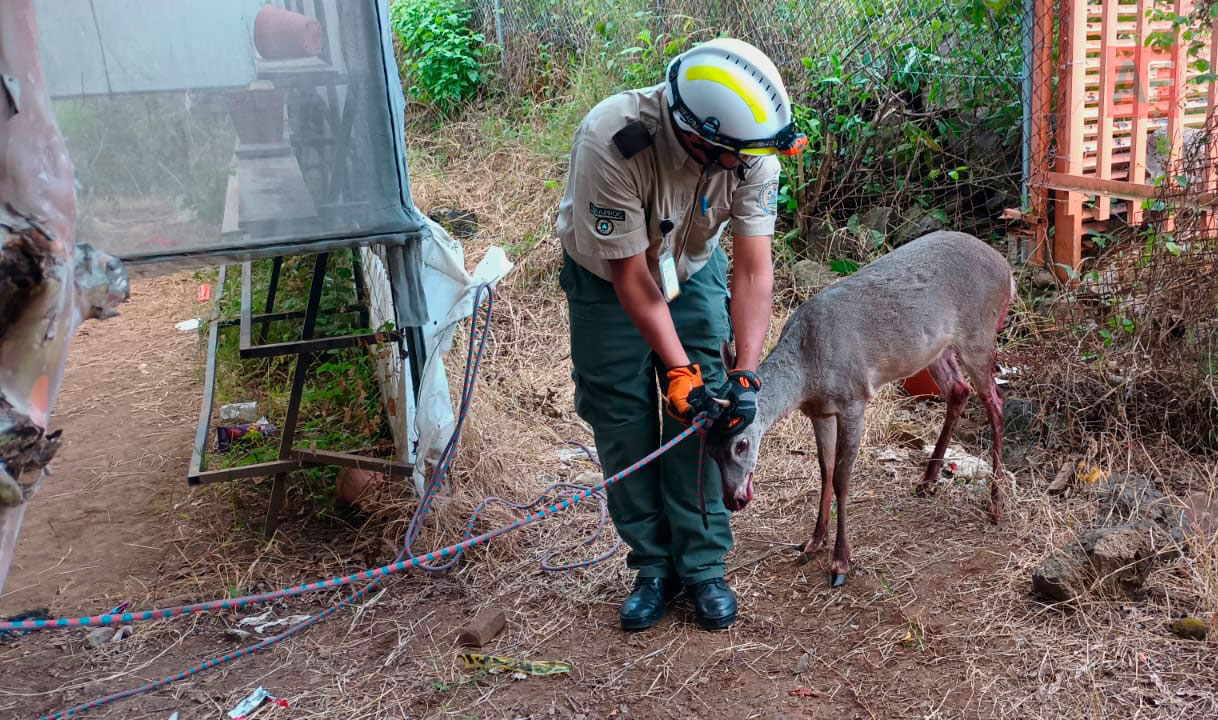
917,222
1136,525
811,276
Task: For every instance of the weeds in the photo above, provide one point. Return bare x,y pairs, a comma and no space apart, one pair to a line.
340,407
442,56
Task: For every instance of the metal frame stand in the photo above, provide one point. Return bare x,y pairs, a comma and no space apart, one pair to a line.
305,349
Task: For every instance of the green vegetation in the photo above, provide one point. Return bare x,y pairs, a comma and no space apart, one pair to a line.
912,105
440,54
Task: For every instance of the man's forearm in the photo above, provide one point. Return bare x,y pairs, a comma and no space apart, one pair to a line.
644,304
752,295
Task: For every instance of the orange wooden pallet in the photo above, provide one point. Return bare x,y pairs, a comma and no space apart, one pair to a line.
1113,91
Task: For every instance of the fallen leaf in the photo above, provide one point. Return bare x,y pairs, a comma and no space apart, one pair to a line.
1090,475
804,692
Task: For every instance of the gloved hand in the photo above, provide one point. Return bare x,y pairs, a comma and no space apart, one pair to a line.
687,395
741,391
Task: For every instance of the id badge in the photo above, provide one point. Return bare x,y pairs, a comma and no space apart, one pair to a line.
668,276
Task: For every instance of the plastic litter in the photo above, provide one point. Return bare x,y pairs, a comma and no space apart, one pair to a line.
889,455
241,412
496,664
960,464
226,434
263,621
1088,473
188,325
253,702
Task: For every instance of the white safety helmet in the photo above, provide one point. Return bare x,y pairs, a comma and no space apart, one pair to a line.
730,94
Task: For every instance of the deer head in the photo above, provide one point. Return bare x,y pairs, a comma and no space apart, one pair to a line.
736,455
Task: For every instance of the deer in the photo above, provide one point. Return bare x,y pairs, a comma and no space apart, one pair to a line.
938,302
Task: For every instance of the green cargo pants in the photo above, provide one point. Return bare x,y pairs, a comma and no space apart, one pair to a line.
616,373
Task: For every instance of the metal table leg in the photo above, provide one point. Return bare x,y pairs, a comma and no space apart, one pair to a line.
303,361
276,266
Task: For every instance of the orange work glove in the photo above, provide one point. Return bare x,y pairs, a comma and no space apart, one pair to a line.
687,395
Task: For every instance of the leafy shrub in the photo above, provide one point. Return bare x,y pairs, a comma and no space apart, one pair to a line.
441,54
643,63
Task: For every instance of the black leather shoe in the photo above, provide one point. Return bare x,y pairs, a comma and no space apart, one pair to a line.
647,603
714,604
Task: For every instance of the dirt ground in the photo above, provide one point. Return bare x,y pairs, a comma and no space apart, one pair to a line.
936,620
97,529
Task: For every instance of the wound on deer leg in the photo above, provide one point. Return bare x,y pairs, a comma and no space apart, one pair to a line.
947,375
980,368
826,451
993,407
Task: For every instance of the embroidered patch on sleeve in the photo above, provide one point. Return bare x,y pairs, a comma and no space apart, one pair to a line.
604,227
606,214
768,198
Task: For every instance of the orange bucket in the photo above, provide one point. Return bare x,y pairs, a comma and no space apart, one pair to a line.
921,384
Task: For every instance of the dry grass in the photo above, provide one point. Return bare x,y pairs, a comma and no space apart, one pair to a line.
936,622
1009,655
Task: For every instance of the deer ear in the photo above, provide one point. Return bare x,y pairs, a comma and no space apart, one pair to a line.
727,355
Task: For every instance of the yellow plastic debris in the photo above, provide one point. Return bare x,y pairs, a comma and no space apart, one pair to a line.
499,663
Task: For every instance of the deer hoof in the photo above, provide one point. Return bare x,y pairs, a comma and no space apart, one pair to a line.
924,489
837,579
804,558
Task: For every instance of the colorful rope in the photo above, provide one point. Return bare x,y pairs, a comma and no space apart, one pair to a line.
405,559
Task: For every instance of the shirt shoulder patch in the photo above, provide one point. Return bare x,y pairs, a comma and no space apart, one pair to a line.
633,139
767,198
606,213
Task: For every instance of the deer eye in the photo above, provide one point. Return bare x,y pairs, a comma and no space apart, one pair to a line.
742,447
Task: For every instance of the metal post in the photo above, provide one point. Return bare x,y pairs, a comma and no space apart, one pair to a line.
361,295
499,32
276,266
1029,14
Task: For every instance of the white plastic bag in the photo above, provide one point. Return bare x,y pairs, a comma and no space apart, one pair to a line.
450,292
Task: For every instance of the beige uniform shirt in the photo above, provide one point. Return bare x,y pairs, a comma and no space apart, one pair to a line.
616,206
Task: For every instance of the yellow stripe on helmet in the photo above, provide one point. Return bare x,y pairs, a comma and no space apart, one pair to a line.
725,78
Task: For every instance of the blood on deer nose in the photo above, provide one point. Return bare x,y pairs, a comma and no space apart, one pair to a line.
736,498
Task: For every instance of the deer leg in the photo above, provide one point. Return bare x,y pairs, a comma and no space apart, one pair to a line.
982,374
946,372
825,429
849,437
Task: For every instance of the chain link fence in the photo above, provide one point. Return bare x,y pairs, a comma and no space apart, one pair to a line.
1130,350
913,108
1124,348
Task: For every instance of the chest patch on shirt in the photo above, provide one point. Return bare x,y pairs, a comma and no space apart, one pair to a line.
606,213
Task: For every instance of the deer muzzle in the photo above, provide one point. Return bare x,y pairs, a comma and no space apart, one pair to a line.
736,497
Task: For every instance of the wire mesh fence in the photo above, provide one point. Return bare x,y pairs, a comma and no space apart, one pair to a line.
1131,348
1125,338
913,108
